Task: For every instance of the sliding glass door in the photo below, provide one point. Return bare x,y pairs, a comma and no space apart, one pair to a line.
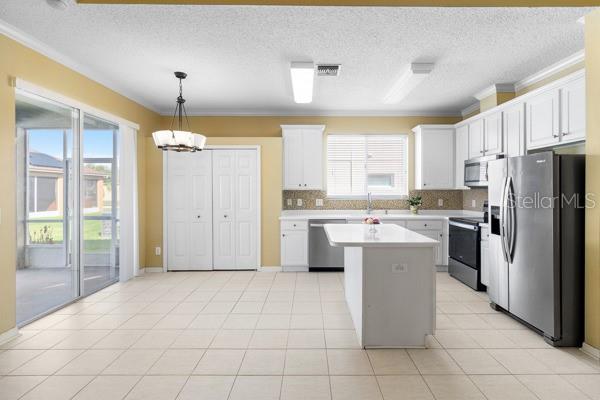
67,205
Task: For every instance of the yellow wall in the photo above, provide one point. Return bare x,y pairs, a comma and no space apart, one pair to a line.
17,61
592,215
552,78
265,131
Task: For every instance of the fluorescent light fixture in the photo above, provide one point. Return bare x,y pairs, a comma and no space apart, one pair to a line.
409,80
303,77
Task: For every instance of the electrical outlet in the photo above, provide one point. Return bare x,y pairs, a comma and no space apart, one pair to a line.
299,202
399,268
289,202
319,202
474,203
440,202
157,251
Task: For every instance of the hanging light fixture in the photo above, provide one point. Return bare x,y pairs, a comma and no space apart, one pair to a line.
179,140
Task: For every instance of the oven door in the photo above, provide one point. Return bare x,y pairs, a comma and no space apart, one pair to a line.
464,244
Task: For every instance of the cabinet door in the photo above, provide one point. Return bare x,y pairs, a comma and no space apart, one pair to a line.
435,235
294,249
514,130
293,166
461,154
312,149
573,110
437,158
224,209
492,134
476,139
542,119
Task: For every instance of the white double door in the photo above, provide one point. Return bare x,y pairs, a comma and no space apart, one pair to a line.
212,210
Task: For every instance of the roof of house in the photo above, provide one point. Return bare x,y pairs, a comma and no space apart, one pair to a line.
44,160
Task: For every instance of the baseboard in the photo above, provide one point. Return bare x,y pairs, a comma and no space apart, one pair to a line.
591,351
268,269
441,268
9,335
295,269
153,269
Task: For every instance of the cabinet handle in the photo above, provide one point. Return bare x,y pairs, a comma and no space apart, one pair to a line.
565,133
481,151
305,184
299,185
424,224
555,135
283,235
198,216
225,216
294,225
424,184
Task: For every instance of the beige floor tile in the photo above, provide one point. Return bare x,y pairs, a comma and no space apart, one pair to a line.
306,362
201,296
455,339
44,340
452,308
502,387
277,307
13,387
241,321
306,339
263,362
58,388
274,321
408,387
208,321
525,339
194,339
269,339
207,388
306,321
21,337
501,321
256,388
175,321
156,339
47,363
188,308
129,308
157,388
159,307
453,387
307,296
227,296
491,339
341,339
551,387
53,319
477,361
248,307
337,321
434,361
82,339
107,387
469,321
306,307
561,362
12,359
355,388
519,361
332,295
335,307
220,362
141,321
231,339
391,362
133,362
305,387
176,362
218,307
90,362
280,295
75,322
349,362
479,307
254,296
119,339
588,384
110,321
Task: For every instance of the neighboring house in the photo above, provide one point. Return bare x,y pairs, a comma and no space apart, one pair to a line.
46,186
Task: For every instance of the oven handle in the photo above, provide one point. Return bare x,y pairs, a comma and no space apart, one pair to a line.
465,226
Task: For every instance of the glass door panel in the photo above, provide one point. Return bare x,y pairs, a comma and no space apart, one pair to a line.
46,276
99,203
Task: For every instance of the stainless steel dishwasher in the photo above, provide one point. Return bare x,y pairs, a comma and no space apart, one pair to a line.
322,256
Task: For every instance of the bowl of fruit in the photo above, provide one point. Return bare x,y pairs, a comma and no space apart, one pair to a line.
372,221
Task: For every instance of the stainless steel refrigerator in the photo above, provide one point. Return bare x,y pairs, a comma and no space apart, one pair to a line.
537,218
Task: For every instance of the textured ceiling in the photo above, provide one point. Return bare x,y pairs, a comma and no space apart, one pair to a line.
237,57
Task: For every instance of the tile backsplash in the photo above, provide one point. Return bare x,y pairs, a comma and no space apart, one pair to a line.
477,195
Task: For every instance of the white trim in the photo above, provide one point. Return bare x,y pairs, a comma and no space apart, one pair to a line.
591,351
34,44
9,335
290,127
315,113
470,110
36,90
269,269
294,269
551,70
493,89
152,270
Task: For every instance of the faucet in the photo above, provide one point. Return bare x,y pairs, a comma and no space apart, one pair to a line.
369,203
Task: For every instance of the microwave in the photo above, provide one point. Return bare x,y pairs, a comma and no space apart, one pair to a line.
476,170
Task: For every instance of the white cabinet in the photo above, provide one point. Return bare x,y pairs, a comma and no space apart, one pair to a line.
485,255
302,157
433,229
573,110
492,134
514,130
542,116
294,243
461,154
434,157
476,144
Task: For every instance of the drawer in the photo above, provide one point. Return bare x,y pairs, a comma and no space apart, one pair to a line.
296,225
424,225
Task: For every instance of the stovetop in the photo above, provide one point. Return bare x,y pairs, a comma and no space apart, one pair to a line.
468,220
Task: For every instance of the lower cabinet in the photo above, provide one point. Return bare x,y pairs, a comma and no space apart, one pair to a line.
485,256
433,229
294,244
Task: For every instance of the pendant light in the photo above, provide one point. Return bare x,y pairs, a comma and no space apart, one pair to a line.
179,140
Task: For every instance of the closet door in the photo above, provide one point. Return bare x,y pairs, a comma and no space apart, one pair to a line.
224,188
246,209
178,222
200,207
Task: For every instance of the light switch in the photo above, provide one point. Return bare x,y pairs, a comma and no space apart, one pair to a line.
289,202
473,203
299,202
319,202
440,202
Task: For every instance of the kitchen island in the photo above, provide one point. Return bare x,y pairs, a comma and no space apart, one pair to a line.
389,283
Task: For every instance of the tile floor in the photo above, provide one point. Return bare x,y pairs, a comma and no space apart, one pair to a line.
245,335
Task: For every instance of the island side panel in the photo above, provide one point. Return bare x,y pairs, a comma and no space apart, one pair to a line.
399,296
353,287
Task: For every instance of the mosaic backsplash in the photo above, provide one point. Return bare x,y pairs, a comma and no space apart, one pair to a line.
452,200
479,195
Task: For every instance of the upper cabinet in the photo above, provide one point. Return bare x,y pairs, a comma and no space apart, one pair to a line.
434,157
476,148
492,137
461,154
543,119
302,157
572,110
514,130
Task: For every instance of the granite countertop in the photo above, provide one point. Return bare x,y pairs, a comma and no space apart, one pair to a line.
358,235
361,214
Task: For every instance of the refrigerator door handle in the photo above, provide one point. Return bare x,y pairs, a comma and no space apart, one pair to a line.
503,232
512,219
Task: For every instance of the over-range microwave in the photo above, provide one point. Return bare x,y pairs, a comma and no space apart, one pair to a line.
476,170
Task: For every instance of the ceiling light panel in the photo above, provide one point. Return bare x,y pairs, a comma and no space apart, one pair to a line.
407,82
303,78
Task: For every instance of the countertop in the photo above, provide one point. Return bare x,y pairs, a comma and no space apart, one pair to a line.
361,214
358,235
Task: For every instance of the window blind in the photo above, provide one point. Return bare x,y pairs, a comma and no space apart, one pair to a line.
358,164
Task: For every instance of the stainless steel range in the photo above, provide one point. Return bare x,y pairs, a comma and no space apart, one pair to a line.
464,251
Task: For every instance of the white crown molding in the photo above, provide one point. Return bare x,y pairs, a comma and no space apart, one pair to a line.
316,113
493,89
551,70
470,110
34,44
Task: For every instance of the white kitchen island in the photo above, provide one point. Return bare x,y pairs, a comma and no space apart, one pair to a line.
389,282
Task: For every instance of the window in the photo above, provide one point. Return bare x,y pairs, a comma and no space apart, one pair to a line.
359,164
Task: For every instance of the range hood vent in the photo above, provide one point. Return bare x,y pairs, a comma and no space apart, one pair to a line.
328,69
